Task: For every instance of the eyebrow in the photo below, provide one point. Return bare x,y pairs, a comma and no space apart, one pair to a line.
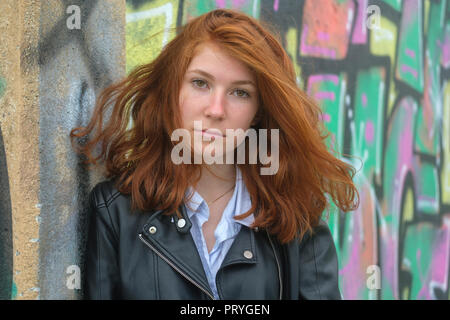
210,76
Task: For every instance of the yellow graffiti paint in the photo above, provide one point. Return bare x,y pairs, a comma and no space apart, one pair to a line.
445,173
426,13
383,42
148,29
291,48
408,209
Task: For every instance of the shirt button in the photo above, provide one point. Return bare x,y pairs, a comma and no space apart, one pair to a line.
181,223
152,229
248,254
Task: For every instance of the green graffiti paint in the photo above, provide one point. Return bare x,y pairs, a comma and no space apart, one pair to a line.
2,86
196,8
368,115
396,4
410,53
14,291
329,92
428,189
417,255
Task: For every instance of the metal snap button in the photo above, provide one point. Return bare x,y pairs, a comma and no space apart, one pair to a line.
248,254
152,229
181,223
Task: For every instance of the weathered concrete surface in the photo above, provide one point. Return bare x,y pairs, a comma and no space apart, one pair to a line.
75,65
19,30
50,76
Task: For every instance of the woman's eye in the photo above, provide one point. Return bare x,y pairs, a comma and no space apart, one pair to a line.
242,93
198,83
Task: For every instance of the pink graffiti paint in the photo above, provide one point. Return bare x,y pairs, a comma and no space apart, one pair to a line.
238,3
315,51
323,36
220,3
322,95
405,142
275,5
360,30
352,272
410,53
324,77
326,117
441,253
446,50
369,131
364,99
407,69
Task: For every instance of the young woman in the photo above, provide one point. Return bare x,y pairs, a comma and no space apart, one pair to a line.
161,228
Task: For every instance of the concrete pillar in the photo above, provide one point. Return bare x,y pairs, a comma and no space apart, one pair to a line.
51,72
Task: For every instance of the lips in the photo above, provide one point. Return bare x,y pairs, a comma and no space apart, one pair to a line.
212,132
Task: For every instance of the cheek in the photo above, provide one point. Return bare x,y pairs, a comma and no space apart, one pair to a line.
245,118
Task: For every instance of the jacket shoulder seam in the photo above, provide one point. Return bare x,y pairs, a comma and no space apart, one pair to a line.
108,201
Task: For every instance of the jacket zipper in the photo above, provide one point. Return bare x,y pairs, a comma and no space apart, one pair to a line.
278,265
174,267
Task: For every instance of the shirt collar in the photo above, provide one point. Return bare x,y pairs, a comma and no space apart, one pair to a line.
240,200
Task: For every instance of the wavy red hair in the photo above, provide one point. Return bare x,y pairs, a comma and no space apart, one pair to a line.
287,204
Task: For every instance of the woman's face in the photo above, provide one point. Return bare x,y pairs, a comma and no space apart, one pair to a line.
220,91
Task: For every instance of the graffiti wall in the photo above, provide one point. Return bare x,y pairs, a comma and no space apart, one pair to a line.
380,69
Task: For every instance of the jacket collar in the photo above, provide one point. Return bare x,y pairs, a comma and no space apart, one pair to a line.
176,244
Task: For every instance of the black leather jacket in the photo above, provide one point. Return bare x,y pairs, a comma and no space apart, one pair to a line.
147,256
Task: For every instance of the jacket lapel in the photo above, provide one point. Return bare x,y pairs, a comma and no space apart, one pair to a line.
177,245
243,249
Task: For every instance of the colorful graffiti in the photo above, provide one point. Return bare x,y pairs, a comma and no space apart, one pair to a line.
380,71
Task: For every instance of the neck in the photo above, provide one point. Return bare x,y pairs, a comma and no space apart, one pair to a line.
216,179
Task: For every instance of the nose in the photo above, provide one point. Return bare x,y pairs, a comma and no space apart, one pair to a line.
216,107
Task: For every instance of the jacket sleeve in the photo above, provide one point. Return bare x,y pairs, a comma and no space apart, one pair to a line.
101,268
318,276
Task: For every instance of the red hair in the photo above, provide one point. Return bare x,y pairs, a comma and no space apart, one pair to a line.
288,203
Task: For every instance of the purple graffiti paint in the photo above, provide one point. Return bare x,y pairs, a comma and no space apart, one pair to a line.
324,77
360,31
410,53
369,132
446,52
315,51
364,99
220,3
408,69
323,36
326,117
441,252
275,5
325,95
238,3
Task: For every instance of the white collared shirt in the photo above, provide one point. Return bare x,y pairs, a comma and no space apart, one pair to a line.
226,229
